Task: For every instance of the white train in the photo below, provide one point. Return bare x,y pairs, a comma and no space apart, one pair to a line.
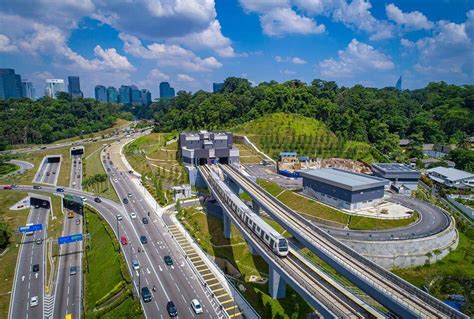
265,232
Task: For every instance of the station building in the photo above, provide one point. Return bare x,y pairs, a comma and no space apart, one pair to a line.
208,147
403,179
343,189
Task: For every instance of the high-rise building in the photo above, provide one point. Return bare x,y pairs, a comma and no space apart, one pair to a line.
100,93
74,86
112,95
146,97
53,87
125,95
217,87
10,84
27,89
166,91
136,95
398,86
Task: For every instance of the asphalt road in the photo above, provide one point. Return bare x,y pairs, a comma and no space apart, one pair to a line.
42,176
27,283
24,166
68,291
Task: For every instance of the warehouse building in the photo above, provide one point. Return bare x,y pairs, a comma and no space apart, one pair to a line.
204,147
403,179
451,177
343,189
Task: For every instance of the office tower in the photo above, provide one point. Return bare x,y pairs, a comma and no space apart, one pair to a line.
125,95
10,84
166,91
217,87
112,95
398,86
53,87
146,97
27,89
136,95
100,93
74,86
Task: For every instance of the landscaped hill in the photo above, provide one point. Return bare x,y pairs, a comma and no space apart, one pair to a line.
278,132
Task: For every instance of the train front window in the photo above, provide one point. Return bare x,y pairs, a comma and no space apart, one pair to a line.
282,245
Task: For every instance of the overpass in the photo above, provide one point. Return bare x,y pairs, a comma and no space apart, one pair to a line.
331,299
397,295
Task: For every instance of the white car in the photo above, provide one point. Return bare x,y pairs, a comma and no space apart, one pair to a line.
115,180
84,199
34,301
197,308
73,183
119,217
133,215
135,264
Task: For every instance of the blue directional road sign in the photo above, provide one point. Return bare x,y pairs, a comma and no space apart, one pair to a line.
26,229
69,239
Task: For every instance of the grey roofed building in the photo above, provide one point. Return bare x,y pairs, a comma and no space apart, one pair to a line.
401,176
451,177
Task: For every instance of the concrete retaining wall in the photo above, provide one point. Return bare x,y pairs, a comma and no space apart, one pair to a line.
407,253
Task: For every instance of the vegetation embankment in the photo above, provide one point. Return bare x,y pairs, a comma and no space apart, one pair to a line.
107,281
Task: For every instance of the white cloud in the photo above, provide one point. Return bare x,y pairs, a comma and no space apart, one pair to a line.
357,58
168,55
287,72
294,60
263,5
412,20
282,21
407,43
5,45
184,78
154,77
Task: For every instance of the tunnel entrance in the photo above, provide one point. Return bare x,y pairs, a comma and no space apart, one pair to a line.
77,150
39,202
224,160
53,159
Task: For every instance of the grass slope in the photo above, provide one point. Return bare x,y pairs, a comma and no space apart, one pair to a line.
278,132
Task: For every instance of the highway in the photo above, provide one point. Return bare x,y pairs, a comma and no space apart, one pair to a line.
68,290
27,283
47,173
24,166
380,283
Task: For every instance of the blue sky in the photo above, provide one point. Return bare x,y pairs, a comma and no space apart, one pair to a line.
196,42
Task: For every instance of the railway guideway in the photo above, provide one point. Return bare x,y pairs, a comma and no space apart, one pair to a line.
402,298
330,298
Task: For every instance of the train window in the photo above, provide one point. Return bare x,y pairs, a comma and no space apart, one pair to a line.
282,245
266,237
272,243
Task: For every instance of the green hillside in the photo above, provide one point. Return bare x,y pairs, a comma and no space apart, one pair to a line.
278,132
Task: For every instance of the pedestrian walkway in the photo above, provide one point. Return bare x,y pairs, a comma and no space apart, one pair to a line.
227,303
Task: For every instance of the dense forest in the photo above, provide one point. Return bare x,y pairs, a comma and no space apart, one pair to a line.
23,121
438,113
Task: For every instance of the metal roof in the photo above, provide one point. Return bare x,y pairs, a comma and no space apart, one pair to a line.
344,179
394,167
451,174
287,153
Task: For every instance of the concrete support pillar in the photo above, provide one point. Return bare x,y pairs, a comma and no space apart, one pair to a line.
251,249
227,224
276,285
255,207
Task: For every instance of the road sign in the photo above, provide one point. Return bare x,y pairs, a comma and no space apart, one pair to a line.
26,229
73,199
69,239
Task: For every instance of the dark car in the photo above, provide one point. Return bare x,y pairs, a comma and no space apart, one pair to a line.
168,260
145,220
172,311
7,187
143,239
125,201
97,200
35,268
36,187
60,190
146,294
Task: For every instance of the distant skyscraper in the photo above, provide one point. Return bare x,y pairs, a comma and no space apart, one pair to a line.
398,86
10,84
53,87
125,95
166,90
27,89
112,95
100,93
74,86
136,95
146,97
217,87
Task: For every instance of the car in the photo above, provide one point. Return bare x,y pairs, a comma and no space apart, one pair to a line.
172,310
72,270
54,172
84,199
14,186
70,214
119,217
115,180
60,190
36,187
168,260
123,240
34,301
143,239
30,232
47,174
74,161
37,206
130,195
7,187
78,221
146,294
133,215
135,264
78,176
108,169
196,305
125,200
39,241
73,183
97,200
45,204
145,220
35,268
